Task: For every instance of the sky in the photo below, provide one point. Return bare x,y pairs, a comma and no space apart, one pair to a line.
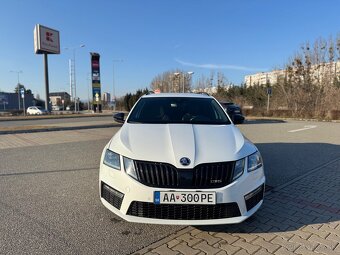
139,39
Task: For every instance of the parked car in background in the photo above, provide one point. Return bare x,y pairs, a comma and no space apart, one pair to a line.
36,110
178,159
234,111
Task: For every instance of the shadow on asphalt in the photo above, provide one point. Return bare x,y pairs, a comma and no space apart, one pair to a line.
311,199
286,161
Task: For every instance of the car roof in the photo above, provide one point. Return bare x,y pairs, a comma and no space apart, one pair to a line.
191,95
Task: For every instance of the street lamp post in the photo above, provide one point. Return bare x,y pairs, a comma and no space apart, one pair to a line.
73,86
113,81
88,90
18,73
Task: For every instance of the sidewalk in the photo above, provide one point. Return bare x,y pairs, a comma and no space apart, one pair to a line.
300,217
57,127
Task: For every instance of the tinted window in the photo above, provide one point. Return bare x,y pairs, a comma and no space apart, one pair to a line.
178,110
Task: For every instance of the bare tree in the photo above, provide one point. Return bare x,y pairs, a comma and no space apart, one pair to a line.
172,81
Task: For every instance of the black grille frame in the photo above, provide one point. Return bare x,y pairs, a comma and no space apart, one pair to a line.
254,197
111,195
183,211
203,176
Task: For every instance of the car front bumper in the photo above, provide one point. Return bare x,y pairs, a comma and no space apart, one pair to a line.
134,202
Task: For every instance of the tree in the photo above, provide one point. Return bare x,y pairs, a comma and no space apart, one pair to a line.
172,81
21,86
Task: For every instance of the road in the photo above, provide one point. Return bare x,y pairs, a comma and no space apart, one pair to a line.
43,122
49,200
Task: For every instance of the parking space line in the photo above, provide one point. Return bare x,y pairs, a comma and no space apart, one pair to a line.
302,129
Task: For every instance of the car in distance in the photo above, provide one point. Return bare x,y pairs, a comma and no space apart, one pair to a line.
36,110
234,111
178,159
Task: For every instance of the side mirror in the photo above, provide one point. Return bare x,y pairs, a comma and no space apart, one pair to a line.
119,117
238,119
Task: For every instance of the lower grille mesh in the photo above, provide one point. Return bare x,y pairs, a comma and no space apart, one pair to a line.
254,197
183,212
114,197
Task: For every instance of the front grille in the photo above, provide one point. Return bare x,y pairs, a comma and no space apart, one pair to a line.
183,212
204,176
114,197
254,197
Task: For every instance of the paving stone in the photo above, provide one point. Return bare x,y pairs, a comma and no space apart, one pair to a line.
262,228
283,251
250,248
164,249
287,245
185,249
173,243
208,249
207,237
328,243
270,247
229,238
151,253
325,250
334,238
286,235
302,234
195,231
312,230
305,243
222,253
266,236
331,230
189,239
246,237
303,251
230,249
242,252
262,252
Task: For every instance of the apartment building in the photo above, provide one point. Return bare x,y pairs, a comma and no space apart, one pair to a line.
319,72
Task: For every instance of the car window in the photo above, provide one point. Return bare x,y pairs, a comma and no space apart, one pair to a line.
184,110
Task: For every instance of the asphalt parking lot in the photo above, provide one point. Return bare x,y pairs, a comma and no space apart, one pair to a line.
50,202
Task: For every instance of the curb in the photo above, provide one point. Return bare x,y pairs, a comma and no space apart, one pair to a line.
51,129
51,117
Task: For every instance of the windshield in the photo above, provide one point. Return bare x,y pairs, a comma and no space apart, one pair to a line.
184,110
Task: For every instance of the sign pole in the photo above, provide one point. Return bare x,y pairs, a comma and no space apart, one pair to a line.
47,92
46,41
22,91
269,92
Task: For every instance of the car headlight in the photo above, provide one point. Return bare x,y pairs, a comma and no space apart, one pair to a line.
238,169
112,159
130,167
254,161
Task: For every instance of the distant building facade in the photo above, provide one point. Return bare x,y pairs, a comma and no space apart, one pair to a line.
106,97
57,98
10,101
263,78
319,72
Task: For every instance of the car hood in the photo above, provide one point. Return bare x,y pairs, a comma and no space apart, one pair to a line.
171,142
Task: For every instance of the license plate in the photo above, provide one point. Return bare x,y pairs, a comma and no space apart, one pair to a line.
179,197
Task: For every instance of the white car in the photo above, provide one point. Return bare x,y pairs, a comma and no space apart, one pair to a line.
178,159
35,110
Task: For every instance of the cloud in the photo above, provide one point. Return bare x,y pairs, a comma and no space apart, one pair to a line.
217,66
